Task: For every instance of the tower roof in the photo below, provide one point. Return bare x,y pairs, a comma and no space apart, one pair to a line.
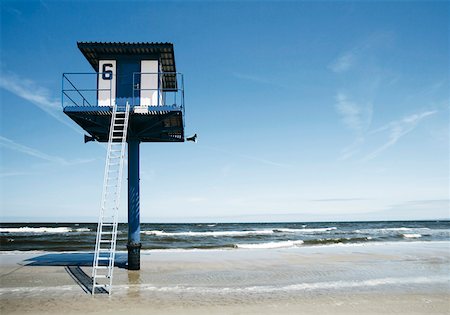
93,51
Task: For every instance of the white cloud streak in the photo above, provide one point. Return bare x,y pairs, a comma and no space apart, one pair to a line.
348,59
343,62
33,93
356,117
12,145
396,130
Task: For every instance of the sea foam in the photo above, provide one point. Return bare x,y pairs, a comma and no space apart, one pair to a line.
270,245
26,229
237,233
287,230
411,235
209,233
306,286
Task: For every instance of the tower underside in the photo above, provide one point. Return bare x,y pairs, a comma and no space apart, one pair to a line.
161,124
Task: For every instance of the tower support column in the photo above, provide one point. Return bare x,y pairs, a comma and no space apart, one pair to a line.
134,229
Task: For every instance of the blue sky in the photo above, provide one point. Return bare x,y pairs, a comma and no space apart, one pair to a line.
304,111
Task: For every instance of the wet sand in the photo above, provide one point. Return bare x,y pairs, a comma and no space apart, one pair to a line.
381,278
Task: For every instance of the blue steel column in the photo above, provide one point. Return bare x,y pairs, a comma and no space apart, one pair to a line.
134,229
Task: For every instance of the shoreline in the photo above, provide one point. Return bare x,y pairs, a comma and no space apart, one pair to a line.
220,249
397,278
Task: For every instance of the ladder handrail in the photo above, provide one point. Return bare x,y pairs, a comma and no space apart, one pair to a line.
113,195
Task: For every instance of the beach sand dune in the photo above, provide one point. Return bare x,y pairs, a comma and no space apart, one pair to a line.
383,278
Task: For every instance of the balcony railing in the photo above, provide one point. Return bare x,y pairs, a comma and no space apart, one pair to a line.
144,90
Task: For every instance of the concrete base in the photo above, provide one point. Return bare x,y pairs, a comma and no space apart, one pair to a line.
134,256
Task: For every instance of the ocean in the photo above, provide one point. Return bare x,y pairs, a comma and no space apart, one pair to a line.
81,236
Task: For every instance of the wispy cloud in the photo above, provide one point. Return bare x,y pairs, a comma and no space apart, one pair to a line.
343,62
12,145
35,94
355,106
355,116
355,55
396,130
352,149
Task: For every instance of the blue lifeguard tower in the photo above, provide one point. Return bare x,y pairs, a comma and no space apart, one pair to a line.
135,95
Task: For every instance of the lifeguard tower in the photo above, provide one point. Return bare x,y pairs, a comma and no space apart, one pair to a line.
135,95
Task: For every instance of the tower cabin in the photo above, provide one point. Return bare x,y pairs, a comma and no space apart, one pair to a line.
144,76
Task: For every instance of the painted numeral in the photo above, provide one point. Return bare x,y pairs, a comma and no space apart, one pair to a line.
107,74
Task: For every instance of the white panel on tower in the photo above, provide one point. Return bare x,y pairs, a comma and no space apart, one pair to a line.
149,83
106,82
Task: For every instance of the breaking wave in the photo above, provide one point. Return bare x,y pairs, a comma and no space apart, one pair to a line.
237,233
270,245
412,235
39,230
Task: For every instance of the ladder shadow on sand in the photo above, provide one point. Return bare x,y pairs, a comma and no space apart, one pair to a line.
83,280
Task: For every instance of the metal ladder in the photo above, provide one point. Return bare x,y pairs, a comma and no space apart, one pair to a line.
105,245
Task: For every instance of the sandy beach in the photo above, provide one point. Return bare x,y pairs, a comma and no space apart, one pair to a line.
382,278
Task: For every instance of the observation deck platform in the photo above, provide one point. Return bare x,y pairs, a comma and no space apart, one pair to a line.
157,124
157,115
